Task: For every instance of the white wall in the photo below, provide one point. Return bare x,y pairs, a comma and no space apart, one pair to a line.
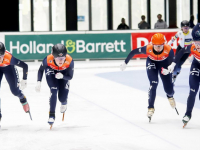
58,15
99,15
139,8
183,11
195,11
82,6
24,15
157,7
120,10
41,15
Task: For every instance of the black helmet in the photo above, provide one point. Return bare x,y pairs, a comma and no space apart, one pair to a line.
2,49
196,32
59,50
185,23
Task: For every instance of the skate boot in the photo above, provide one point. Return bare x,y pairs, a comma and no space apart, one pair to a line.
174,78
185,120
25,104
51,119
172,102
150,113
63,108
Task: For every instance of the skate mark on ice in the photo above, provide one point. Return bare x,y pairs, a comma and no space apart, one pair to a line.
159,137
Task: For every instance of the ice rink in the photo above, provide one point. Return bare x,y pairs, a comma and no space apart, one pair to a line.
106,111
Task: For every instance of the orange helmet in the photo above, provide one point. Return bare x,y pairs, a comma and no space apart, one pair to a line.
158,39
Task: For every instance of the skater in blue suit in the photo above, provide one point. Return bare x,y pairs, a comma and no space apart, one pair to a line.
59,70
7,68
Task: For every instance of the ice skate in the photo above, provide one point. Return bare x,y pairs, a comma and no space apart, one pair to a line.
26,107
63,108
51,121
174,78
185,120
172,102
150,113
25,104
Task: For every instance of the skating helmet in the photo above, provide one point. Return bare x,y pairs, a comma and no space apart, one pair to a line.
158,39
185,23
2,49
196,32
59,50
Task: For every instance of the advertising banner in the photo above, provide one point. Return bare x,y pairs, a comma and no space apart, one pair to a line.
142,39
80,46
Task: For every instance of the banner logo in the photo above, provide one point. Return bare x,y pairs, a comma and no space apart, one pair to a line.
79,46
70,45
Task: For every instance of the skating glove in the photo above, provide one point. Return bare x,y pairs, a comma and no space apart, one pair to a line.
171,67
38,86
59,75
23,84
123,66
164,71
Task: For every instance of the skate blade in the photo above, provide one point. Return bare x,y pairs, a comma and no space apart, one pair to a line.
176,110
149,119
29,114
63,117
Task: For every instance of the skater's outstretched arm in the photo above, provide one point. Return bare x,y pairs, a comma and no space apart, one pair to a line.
141,50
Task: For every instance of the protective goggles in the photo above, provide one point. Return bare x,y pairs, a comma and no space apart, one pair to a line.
159,46
60,58
196,43
186,28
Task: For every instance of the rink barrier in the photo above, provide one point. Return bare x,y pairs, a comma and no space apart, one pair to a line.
81,45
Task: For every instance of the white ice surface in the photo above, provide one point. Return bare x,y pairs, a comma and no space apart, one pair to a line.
101,115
